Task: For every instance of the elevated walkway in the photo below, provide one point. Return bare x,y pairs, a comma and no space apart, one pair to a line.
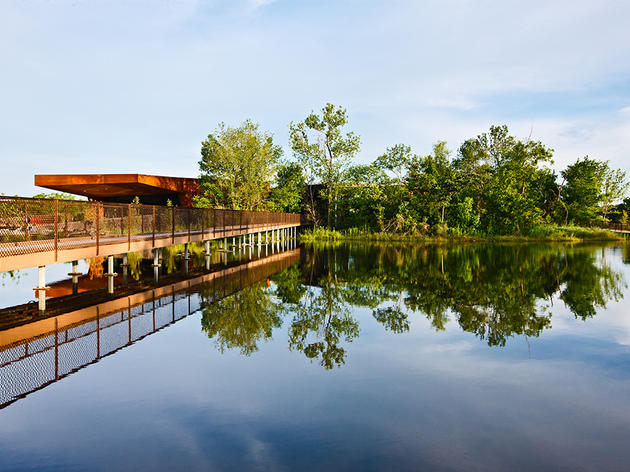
40,232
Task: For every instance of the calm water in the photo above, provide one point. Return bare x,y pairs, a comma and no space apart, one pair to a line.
346,358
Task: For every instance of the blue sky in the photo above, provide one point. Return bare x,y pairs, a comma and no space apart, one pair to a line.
134,86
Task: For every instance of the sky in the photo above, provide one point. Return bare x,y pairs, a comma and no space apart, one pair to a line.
91,86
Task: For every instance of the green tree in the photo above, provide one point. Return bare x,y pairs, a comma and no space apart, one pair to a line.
288,193
511,190
614,188
432,181
324,151
237,167
581,192
396,160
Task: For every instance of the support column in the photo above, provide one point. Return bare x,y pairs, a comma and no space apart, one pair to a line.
186,258
206,252
75,277
156,265
225,249
125,269
41,289
110,274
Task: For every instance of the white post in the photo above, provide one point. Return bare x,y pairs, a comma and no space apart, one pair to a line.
110,274
156,264
41,288
75,277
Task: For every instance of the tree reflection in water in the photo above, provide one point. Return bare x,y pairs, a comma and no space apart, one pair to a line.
493,291
243,319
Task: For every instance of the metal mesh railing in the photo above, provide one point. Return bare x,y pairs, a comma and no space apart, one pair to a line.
29,225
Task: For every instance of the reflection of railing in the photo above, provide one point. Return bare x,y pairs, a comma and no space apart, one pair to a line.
40,353
29,225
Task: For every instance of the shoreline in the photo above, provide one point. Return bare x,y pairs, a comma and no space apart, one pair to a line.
549,234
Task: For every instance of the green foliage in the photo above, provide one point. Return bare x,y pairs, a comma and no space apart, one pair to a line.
432,182
58,196
547,232
496,185
396,160
241,321
290,187
237,167
325,152
582,190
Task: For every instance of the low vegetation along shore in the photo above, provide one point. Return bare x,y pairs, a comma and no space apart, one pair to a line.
536,233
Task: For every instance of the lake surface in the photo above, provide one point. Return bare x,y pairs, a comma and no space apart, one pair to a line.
447,358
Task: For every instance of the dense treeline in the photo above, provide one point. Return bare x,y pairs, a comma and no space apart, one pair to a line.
494,183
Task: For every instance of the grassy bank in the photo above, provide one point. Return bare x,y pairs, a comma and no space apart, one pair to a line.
536,233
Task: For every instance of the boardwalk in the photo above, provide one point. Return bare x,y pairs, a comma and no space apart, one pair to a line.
39,232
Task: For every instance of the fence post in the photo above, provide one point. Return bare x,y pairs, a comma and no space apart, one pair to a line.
153,226
65,209
98,227
56,226
129,228
26,222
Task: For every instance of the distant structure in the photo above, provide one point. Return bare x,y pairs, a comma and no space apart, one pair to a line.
123,188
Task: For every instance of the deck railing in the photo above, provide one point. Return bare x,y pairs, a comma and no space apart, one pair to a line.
31,225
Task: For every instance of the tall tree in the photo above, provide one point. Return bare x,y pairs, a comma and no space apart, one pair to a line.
581,192
396,160
324,151
290,186
432,180
516,172
614,188
591,186
237,167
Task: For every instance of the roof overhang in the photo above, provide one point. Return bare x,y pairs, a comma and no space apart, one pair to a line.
100,186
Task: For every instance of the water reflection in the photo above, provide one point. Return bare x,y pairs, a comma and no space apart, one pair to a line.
36,354
424,383
494,291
